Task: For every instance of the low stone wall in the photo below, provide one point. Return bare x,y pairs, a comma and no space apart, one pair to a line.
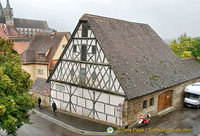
132,109
45,99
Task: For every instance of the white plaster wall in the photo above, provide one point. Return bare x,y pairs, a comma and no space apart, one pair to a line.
106,104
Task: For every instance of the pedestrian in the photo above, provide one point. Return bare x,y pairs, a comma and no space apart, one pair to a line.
54,106
39,102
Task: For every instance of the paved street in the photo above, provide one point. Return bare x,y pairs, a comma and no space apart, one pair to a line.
47,123
183,119
43,127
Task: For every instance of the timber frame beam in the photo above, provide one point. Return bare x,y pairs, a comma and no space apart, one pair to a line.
81,86
86,62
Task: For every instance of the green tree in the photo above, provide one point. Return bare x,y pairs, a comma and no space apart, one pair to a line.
15,101
182,46
195,49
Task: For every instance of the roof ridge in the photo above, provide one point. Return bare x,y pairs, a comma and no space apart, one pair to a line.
103,17
31,19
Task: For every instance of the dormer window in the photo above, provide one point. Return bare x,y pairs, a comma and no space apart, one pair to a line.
42,56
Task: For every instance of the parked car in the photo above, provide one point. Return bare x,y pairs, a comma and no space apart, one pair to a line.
192,95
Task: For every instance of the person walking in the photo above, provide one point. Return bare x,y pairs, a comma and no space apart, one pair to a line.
54,107
39,102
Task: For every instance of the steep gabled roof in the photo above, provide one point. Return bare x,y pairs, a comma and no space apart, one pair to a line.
134,49
42,43
140,59
28,23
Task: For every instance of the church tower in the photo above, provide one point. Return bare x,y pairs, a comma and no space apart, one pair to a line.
8,13
1,10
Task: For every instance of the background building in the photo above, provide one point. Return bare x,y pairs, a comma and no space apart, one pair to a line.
43,52
25,27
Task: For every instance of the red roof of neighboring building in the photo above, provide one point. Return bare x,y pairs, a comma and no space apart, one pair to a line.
41,44
20,47
8,31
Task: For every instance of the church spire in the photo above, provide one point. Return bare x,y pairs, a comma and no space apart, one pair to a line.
8,4
1,6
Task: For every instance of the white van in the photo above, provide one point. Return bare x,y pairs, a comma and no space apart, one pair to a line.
192,95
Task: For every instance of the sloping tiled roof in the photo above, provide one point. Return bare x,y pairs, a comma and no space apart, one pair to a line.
40,45
20,47
28,23
141,60
191,68
8,31
41,86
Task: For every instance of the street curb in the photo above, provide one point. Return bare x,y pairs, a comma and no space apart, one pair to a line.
69,127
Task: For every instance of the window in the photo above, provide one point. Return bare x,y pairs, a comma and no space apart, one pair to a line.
94,75
42,56
72,72
85,27
83,53
151,102
75,48
40,71
82,76
63,46
60,87
144,104
94,49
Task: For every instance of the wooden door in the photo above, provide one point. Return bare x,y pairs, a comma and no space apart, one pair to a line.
164,100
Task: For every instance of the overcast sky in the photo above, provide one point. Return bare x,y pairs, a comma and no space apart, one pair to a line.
169,18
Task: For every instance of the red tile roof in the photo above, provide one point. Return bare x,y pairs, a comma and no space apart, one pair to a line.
8,31
42,43
20,47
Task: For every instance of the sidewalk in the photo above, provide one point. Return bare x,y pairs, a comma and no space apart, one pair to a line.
74,122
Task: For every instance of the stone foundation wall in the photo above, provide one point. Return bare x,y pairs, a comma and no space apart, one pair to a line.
133,108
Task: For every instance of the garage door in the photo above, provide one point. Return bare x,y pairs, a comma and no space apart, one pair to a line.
164,100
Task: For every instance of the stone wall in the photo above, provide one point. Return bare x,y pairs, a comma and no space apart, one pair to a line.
45,99
132,109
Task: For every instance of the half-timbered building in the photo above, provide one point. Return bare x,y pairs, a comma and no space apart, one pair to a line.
113,70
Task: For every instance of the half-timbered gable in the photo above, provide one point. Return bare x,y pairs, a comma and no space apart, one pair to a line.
84,82
84,63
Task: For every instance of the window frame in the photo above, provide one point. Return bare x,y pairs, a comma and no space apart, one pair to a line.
60,89
151,102
144,104
94,49
40,71
74,48
82,76
42,56
84,54
85,27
